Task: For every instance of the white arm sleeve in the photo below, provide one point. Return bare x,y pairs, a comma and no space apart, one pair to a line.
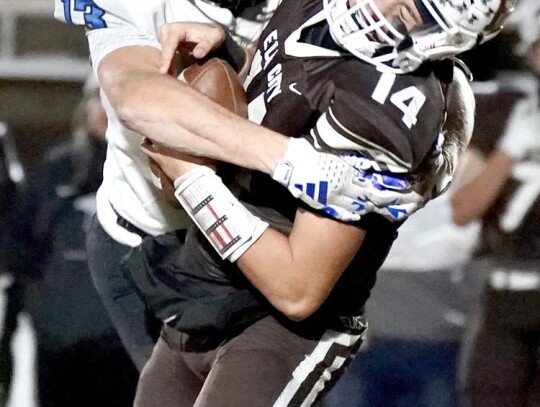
113,24
103,42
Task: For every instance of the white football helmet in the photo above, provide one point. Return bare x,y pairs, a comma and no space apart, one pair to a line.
449,27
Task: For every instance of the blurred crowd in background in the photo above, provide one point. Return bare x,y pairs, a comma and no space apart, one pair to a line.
454,319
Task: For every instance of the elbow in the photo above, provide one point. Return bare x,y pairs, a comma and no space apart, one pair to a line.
303,297
128,113
297,312
462,217
461,220
120,89
126,108
300,308
461,211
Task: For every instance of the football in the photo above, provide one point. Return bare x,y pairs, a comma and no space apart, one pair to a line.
216,79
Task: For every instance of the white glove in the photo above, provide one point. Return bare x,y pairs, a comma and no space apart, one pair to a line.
337,184
522,134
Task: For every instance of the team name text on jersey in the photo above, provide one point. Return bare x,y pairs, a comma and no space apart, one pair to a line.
274,76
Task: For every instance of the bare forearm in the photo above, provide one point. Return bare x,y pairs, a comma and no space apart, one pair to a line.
296,274
473,199
171,112
198,126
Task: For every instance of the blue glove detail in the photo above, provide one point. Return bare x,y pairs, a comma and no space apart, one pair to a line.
310,190
397,213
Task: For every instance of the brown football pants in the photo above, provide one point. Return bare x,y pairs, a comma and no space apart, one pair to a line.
265,365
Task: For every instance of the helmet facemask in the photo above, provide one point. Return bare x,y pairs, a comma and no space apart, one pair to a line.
448,27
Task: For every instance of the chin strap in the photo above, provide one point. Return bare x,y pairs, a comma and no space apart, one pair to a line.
463,66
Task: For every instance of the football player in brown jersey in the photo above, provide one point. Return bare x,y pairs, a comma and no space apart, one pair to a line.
334,86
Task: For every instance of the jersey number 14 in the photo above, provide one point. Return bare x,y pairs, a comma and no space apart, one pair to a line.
409,100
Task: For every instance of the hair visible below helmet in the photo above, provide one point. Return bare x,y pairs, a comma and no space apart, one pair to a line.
449,28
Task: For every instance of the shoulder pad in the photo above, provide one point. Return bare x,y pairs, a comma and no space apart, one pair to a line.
393,118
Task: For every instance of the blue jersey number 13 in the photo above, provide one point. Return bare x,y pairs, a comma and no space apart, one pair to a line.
93,15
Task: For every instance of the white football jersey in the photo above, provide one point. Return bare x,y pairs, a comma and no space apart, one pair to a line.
127,182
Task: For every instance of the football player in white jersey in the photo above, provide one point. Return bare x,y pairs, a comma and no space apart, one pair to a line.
129,206
304,278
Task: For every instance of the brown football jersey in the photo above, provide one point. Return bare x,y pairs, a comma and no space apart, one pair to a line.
302,85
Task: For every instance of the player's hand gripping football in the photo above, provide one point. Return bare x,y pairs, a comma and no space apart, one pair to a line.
198,38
